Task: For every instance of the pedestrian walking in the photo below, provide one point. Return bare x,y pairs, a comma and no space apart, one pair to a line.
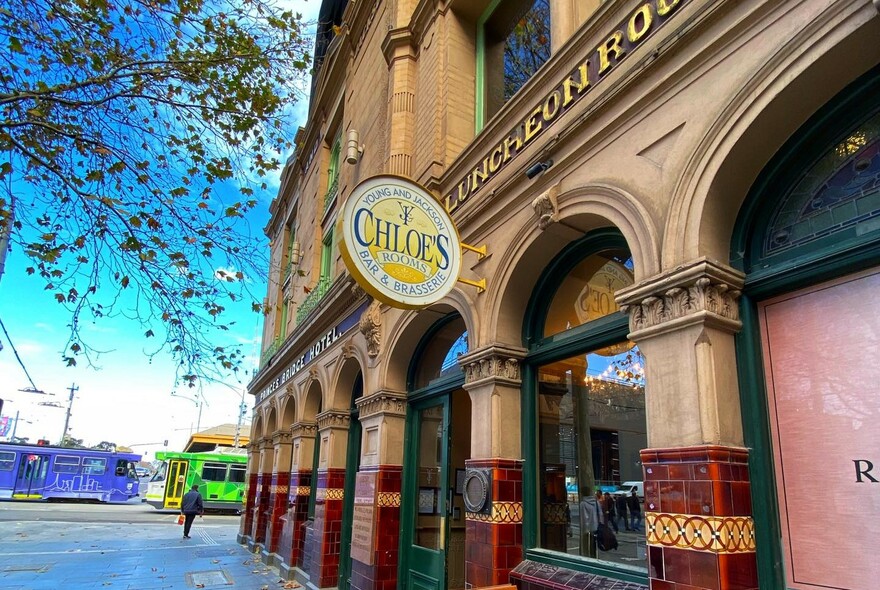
190,506
621,501
610,511
635,511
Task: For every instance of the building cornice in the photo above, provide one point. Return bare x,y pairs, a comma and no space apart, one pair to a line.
386,403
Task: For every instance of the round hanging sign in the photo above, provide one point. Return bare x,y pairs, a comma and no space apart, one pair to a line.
399,242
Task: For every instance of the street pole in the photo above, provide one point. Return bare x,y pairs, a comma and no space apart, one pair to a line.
241,411
199,421
14,427
73,388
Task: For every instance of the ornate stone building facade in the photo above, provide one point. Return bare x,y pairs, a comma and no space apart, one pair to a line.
680,206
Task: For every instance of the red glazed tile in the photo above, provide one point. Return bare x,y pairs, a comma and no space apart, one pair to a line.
655,563
738,571
681,472
698,495
722,498
676,565
656,472
704,570
672,498
741,494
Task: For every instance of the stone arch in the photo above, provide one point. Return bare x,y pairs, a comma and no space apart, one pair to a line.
407,331
804,74
351,364
579,211
257,430
288,412
271,420
312,401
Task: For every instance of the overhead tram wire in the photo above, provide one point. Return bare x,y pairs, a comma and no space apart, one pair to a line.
18,358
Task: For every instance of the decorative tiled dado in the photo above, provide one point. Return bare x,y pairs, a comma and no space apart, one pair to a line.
261,508
493,543
291,550
331,494
718,534
327,528
301,491
698,519
249,506
381,574
278,490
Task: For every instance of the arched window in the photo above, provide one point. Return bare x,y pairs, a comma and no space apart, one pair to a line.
437,356
584,409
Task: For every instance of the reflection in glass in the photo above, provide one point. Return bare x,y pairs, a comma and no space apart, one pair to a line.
592,427
439,358
587,293
430,456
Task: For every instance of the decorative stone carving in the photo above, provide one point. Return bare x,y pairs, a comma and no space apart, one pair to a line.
496,363
701,290
357,291
333,419
546,207
280,437
382,402
370,326
304,429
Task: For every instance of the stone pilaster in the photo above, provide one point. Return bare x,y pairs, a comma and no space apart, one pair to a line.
278,490
698,522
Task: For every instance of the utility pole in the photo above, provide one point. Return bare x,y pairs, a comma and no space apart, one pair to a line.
73,389
242,410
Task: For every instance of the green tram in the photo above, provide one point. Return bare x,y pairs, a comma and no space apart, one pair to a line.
220,475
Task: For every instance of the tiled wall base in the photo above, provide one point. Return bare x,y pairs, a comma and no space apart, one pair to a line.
530,575
698,519
493,545
261,508
382,574
247,520
291,542
324,568
278,491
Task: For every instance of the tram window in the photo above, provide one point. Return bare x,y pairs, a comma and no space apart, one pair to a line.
161,473
237,473
214,472
66,464
94,465
7,459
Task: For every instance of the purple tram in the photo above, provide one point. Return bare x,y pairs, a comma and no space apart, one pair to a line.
34,472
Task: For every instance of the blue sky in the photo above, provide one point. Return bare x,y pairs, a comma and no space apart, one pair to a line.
127,397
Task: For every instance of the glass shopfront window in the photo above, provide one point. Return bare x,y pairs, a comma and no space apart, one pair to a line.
589,423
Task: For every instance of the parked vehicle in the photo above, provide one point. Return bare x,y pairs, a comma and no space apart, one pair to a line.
627,487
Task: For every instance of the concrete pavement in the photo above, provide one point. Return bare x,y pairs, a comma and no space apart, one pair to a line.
48,555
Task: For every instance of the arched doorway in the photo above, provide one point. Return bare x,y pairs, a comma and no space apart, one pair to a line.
808,239
437,443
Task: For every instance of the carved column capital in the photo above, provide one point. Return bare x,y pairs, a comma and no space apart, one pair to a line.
280,437
333,419
382,402
495,363
264,443
304,429
702,291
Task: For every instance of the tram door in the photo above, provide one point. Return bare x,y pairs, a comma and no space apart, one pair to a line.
31,477
176,486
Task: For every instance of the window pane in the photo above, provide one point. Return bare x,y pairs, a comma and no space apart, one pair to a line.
66,464
94,465
527,47
237,473
428,510
214,472
587,293
7,458
440,356
592,427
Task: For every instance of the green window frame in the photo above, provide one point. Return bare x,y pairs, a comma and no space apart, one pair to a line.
599,333
327,255
333,171
482,51
838,254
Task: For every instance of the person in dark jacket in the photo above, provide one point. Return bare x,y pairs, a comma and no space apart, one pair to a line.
635,511
620,502
190,506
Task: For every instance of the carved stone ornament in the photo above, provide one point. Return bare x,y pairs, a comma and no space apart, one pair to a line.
702,291
370,326
357,291
382,402
493,363
333,419
304,430
281,437
546,207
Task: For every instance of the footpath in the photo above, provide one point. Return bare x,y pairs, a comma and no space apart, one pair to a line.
49,555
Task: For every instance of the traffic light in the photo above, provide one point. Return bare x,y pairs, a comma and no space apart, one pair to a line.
166,442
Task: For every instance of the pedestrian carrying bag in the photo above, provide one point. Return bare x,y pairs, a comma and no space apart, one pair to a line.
180,519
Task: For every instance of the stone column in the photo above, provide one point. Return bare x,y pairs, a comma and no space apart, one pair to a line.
292,543
698,513
247,518
327,531
400,49
261,498
376,531
278,492
493,544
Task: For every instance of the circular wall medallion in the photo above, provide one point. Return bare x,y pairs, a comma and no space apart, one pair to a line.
476,491
399,242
